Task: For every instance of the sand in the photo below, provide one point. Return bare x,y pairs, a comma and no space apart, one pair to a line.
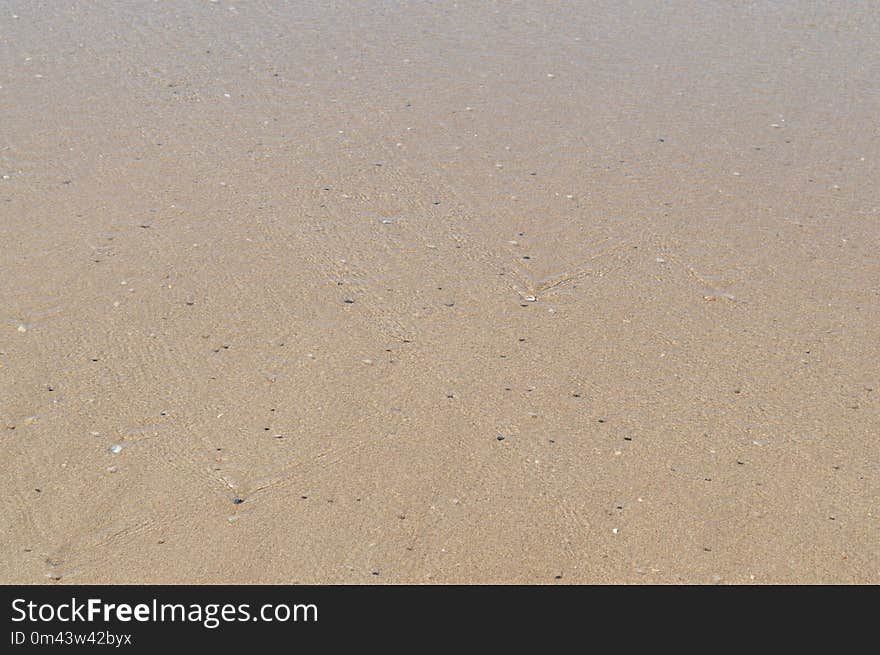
405,292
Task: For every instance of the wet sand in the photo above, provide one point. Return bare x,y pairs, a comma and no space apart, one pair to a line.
386,292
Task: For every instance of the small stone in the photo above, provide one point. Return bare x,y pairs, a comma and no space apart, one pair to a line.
237,501
115,449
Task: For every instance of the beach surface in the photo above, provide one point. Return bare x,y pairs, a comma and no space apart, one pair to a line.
411,292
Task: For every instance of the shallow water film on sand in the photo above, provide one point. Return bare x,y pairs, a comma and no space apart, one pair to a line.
411,292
